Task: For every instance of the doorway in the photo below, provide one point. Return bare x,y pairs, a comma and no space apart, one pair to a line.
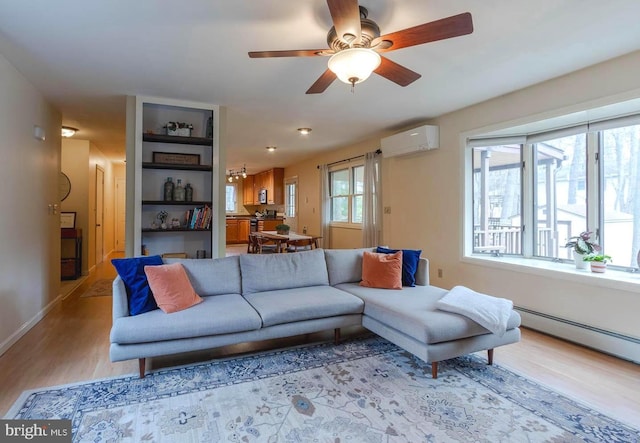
99,215
291,202
121,199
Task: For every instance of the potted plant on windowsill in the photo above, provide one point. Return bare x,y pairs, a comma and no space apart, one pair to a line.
282,229
598,262
582,246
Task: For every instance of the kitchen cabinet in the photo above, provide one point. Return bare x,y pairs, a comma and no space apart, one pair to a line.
156,154
232,231
273,181
248,194
238,230
244,227
270,225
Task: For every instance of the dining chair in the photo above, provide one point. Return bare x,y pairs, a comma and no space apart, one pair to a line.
265,245
300,245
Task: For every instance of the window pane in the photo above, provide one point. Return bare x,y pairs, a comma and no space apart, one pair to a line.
621,188
357,209
358,180
497,199
560,194
340,209
340,182
291,200
230,200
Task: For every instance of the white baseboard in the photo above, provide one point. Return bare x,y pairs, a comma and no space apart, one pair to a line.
17,335
612,343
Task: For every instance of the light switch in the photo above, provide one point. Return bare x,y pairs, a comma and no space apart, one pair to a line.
38,133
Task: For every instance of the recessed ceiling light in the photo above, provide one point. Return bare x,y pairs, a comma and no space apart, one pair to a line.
68,131
304,131
271,148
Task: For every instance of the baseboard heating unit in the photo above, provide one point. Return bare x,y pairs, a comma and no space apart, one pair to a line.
619,345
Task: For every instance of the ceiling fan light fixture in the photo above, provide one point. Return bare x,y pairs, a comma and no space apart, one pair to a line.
304,131
354,65
271,148
68,131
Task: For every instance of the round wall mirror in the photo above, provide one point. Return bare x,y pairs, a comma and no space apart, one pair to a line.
65,186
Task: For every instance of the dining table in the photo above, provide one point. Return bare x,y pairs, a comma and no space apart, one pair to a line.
282,240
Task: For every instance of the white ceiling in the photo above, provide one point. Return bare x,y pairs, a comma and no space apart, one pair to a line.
86,57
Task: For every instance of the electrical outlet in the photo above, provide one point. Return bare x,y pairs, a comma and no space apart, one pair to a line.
439,273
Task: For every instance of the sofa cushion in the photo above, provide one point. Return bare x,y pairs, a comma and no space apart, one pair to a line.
382,270
171,287
131,271
412,311
222,314
297,304
262,272
410,259
212,276
345,265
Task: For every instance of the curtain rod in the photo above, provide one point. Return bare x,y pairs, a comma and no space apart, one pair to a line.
377,151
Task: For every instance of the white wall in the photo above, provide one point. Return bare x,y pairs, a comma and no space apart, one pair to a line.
425,194
75,163
29,232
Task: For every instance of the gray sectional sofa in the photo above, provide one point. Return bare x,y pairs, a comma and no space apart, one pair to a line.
257,297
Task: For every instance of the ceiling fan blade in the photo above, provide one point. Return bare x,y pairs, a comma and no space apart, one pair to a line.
322,83
292,53
396,73
449,27
346,19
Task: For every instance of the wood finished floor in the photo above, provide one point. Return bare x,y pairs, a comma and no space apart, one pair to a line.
71,344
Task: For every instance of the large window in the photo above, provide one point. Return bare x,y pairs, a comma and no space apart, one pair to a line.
347,187
531,196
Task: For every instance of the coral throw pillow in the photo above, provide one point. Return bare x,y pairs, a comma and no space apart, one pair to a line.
171,287
382,270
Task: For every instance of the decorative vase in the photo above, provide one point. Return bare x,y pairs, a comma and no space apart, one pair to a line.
598,266
163,226
580,263
283,231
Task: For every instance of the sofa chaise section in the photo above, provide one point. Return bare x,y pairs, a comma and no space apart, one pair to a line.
409,318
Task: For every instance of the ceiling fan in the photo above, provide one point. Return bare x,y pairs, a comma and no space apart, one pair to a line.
355,45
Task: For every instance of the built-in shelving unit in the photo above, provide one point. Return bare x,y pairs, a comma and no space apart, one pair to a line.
196,159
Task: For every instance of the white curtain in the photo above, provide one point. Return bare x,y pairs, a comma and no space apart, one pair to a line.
325,206
372,201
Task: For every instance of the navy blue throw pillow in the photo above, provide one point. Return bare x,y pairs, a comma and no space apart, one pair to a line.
131,271
410,259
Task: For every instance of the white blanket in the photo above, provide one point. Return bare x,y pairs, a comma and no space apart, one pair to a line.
490,312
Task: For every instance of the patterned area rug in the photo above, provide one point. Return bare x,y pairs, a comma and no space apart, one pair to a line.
99,288
365,390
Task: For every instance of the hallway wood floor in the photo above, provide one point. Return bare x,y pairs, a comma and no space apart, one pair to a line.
71,344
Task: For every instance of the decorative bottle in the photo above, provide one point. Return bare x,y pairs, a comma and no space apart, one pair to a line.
188,193
168,189
178,192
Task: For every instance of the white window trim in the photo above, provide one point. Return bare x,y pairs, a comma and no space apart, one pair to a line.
350,167
235,197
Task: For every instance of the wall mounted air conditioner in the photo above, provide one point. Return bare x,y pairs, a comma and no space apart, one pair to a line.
423,138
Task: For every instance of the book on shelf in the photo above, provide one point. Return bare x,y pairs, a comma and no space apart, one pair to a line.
198,218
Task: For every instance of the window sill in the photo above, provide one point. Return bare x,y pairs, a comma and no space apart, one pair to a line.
346,225
612,279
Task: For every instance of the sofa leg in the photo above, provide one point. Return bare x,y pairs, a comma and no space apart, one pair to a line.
141,364
489,356
434,369
336,336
